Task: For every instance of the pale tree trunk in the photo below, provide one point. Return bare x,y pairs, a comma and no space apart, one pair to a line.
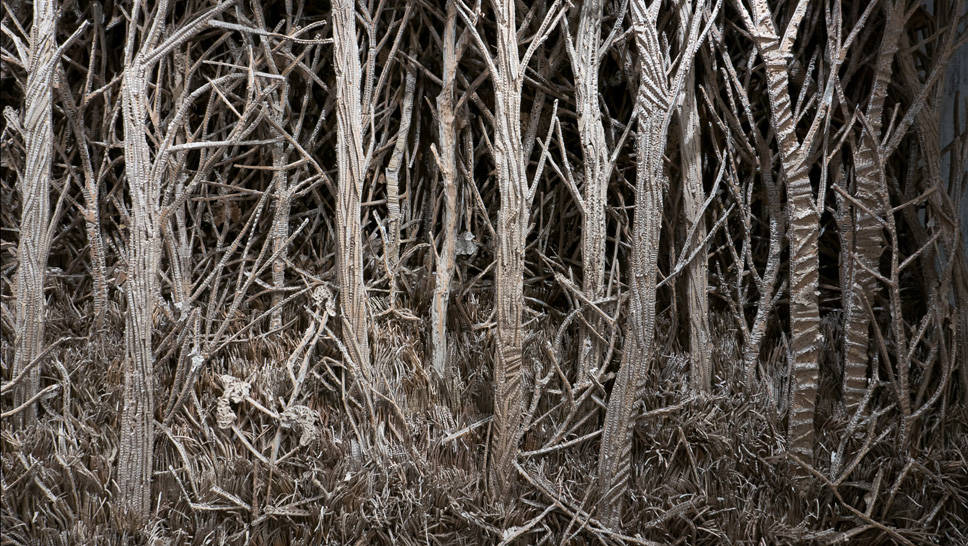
352,168
803,229
447,163
393,187
141,291
34,245
655,100
280,220
585,66
866,242
700,348
512,229
91,210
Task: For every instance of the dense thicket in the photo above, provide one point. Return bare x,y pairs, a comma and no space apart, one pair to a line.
378,271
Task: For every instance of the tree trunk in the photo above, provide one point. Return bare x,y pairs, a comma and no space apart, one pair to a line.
866,240
700,348
653,103
393,188
585,64
141,291
34,245
512,229
615,458
352,169
447,163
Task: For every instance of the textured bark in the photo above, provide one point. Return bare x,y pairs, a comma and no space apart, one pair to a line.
141,292
34,245
803,234
92,199
693,196
447,163
393,187
865,242
585,66
615,457
280,220
352,168
512,229
653,103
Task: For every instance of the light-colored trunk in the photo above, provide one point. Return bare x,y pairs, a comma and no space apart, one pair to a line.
512,229
34,244
141,291
447,163
693,196
615,457
280,220
393,187
352,168
866,242
654,100
585,64
803,233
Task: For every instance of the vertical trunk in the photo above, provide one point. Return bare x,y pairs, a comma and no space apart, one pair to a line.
585,63
34,244
393,188
447,162
141,291
512,226
700,349
280,220
91,211
866,241
652,103
804,263
352,168
615,458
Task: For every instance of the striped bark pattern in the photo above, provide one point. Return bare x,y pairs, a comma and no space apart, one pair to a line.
866,239
34,245
141,292
803,233
512,230
585,66
352,169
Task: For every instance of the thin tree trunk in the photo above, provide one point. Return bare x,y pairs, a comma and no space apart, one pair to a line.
803,235
92,199
352,168
585,65
700,348
654,103
512,229
280,220
141,291
866,241
393,187
615,458
34,245
447,163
